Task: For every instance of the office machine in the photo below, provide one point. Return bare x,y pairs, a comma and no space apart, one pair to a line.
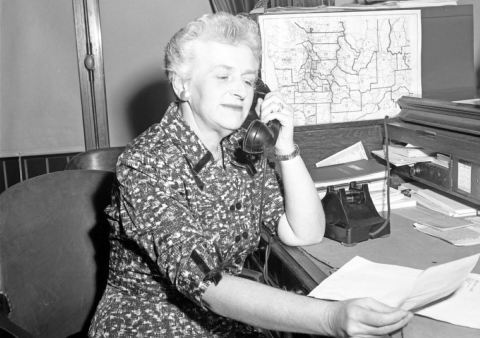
351,216
448,128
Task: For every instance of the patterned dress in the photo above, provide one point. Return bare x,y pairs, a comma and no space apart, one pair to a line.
178,222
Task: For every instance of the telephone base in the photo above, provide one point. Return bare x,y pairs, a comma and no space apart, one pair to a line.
350,236
351,216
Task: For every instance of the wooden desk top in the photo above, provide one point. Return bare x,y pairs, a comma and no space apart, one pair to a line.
405,247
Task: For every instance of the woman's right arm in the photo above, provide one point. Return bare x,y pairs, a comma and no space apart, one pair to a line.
269,308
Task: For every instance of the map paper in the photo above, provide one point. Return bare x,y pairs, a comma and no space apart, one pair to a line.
342,67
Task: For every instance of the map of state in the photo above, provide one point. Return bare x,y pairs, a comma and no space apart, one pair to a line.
342,67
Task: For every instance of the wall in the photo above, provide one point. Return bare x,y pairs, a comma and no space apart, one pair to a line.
39,75
476,37
134,35
40,111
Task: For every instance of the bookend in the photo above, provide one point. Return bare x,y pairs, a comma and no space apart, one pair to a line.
351,216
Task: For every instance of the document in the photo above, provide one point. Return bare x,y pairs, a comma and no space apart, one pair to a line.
464,236
340,174
409,150
399,160
462,307
308,57
355,152
449,205
450,284
435,220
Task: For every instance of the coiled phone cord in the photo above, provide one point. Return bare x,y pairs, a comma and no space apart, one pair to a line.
387,141
260,216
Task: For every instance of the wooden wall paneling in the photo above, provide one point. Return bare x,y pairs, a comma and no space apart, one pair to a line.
321,141
92,83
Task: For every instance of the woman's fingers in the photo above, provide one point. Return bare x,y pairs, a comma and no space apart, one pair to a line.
367,317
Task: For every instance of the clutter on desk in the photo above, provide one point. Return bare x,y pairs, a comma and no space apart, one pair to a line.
397,199
447,204
441,216
437,201
399,160
442,160
375,178
388,4
344,173
448,292
409,150
409,155
434,219
464,236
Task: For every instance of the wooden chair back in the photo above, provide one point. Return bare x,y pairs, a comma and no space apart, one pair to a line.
54,252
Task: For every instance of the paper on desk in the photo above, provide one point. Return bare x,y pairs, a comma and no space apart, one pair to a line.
390,284
435,219
398,286
353,153
461,308
399,160
465,236
439,281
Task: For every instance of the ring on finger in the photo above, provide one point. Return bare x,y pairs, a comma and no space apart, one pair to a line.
280,107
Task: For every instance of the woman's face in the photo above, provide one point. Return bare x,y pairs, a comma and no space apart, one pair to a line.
221,86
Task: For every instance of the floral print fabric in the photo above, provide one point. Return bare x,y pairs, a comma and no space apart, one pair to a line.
178,222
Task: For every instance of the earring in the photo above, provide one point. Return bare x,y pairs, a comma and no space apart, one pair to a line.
184,95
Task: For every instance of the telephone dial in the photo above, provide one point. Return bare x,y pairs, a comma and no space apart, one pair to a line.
260,136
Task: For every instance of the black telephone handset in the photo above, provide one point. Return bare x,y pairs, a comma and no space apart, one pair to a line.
259,135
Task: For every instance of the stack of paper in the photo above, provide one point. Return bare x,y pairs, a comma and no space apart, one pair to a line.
343,174
435,220
400,160
424,292
379,4
461,236
444,204
409,150
442,160
424,3
397,200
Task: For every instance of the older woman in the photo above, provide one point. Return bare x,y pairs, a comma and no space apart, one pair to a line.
185,209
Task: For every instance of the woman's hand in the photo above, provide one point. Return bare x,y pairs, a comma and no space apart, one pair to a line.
274,107
364,317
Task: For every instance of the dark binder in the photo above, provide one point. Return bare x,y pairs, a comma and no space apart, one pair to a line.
349,171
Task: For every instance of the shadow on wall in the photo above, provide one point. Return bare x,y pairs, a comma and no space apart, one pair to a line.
149,104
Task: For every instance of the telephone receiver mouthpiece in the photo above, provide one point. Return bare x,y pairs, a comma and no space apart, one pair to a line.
260,136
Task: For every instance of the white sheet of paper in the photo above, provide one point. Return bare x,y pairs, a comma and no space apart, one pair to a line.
406,287
439,281
353,153
461,308
390,284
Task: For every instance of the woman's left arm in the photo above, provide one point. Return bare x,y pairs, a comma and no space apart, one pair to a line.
304,221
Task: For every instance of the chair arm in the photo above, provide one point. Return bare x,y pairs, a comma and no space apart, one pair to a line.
6,325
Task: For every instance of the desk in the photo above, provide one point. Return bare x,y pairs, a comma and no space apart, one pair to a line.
301,269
